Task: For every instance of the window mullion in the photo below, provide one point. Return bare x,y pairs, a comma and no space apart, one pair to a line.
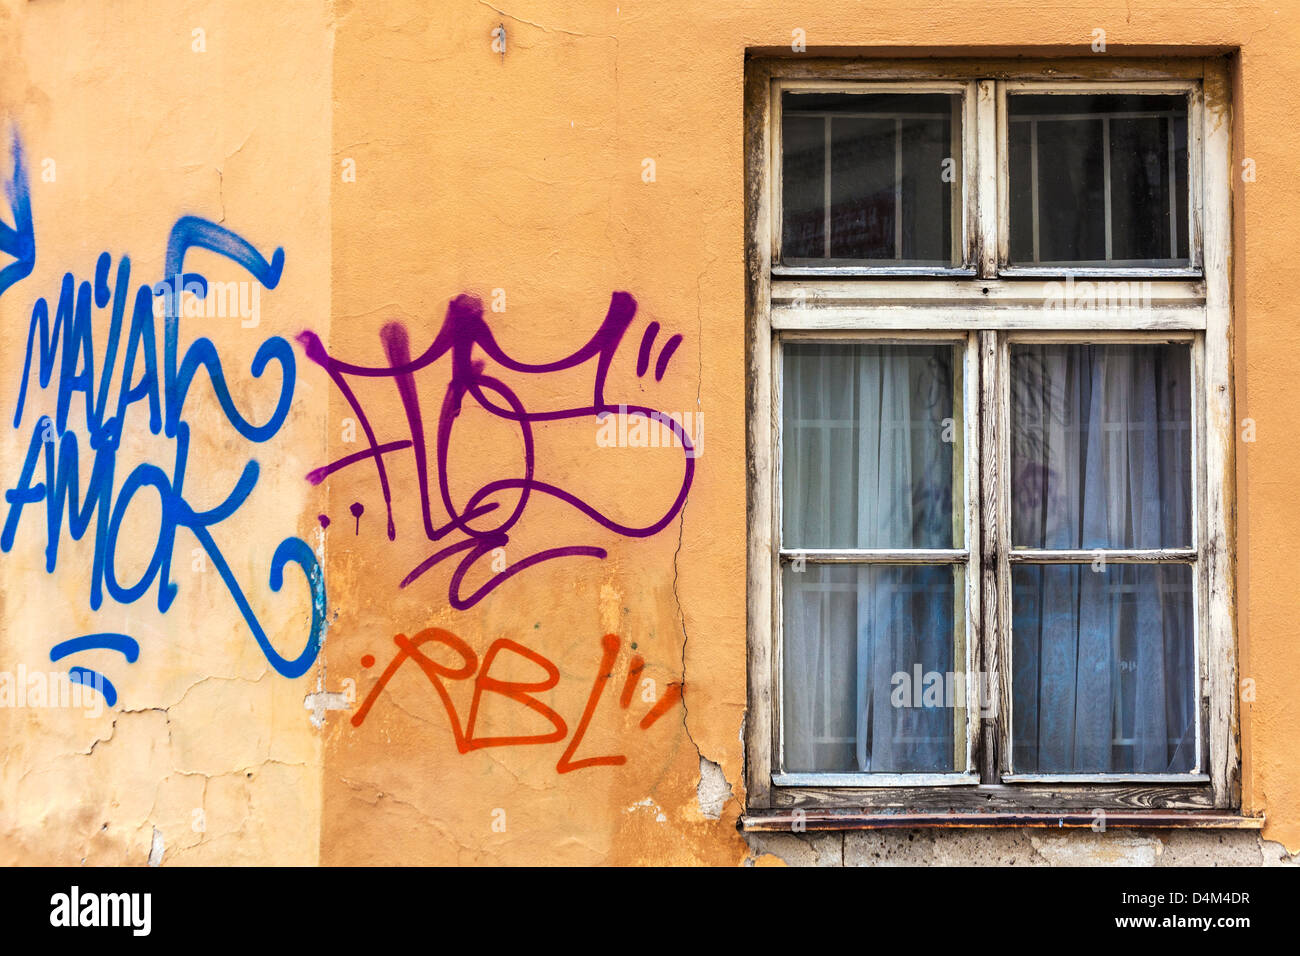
988,163
972,537
991,656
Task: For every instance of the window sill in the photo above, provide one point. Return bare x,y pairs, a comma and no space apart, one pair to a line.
823,819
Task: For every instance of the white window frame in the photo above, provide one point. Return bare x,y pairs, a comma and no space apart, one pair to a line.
991,305
964,197
967,556
1195,158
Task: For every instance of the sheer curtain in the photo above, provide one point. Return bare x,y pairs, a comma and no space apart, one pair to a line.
867,453
1103,658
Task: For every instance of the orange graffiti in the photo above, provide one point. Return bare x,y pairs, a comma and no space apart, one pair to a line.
609,653
634,669
520,692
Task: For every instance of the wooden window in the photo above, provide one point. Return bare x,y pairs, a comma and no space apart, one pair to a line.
990,435
872,178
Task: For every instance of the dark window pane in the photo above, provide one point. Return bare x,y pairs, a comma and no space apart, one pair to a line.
803,187
1098,179
1071,192
926,144
1101,446
1020,156
867,446
862,188
895,172
869,677
1103,669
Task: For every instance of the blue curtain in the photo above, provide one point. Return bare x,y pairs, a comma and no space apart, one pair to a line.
868,650
1103,659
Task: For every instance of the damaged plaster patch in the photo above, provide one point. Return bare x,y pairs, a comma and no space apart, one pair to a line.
1096,849
156,849
795,849
651,806
713,791
1275,854
611,609
322,701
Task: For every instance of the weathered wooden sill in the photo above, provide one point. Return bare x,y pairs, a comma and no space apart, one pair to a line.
787,820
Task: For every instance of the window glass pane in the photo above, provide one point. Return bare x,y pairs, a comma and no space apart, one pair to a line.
1101,446
869,680
1103,669
867,446
886,194
803,187
1098,179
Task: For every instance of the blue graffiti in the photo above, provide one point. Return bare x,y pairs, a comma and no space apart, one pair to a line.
19,240
128,647
66,345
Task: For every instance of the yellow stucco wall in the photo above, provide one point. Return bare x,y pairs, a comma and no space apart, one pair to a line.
126,127
400,162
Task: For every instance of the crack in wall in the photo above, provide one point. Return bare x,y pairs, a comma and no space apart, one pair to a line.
546,29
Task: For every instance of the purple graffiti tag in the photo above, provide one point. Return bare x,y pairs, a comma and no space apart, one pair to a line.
647,343
665,356
467,337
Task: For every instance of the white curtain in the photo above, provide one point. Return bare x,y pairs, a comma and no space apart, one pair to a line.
867,463
1102,657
